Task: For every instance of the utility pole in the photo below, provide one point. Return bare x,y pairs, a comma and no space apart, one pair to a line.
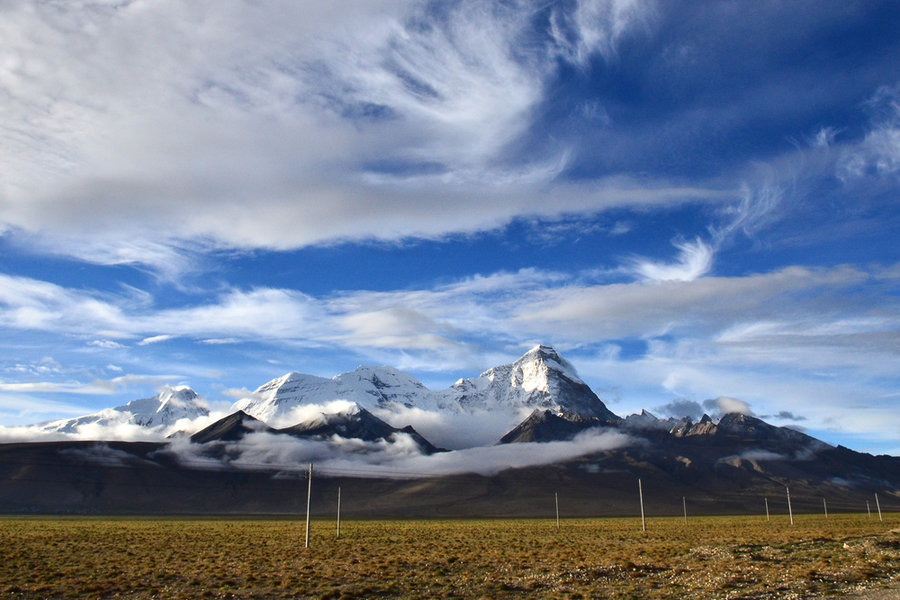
790,511
878,505
308,503
339,513
556,498
641,496
767,508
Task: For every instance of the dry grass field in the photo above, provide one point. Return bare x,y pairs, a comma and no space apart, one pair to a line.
715,557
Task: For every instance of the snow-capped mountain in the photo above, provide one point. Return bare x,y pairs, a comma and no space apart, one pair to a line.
158,413
541,379
283,400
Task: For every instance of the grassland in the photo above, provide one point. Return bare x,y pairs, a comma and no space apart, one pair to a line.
716,557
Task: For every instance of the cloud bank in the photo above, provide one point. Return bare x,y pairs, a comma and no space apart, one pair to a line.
400,458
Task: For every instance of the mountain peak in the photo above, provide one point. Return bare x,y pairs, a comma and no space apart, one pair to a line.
161,411
539,379
544,351
230,429
547,359
180,396
168,406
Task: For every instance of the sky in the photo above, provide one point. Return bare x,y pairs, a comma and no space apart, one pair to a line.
689,200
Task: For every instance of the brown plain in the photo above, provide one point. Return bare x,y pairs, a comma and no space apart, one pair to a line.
710,557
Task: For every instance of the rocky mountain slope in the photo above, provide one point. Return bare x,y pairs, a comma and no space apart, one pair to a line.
340,419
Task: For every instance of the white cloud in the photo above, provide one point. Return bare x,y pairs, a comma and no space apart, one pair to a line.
98,387
36,305
27,433
220,341
695,260
59,388
456,431
842,398
22,407
679,408
445,324
399,458
309,413
724,405
111,425
396,327
457,84
596,26
646,310
758,203
155,339
824,137
105,344
753,455
147,134
878,153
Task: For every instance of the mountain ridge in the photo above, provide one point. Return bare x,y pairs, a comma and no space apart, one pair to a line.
538,397
539,379
242,463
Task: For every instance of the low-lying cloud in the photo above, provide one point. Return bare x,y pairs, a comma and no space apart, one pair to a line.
756,455
109,425
399,457
456,430
681,408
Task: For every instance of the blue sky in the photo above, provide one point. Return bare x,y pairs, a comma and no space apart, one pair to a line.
689,200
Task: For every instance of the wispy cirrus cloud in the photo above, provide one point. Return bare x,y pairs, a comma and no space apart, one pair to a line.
878,153
149,176
94,388
694,260
596,26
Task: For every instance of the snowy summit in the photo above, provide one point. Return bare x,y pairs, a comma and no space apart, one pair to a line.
161,413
